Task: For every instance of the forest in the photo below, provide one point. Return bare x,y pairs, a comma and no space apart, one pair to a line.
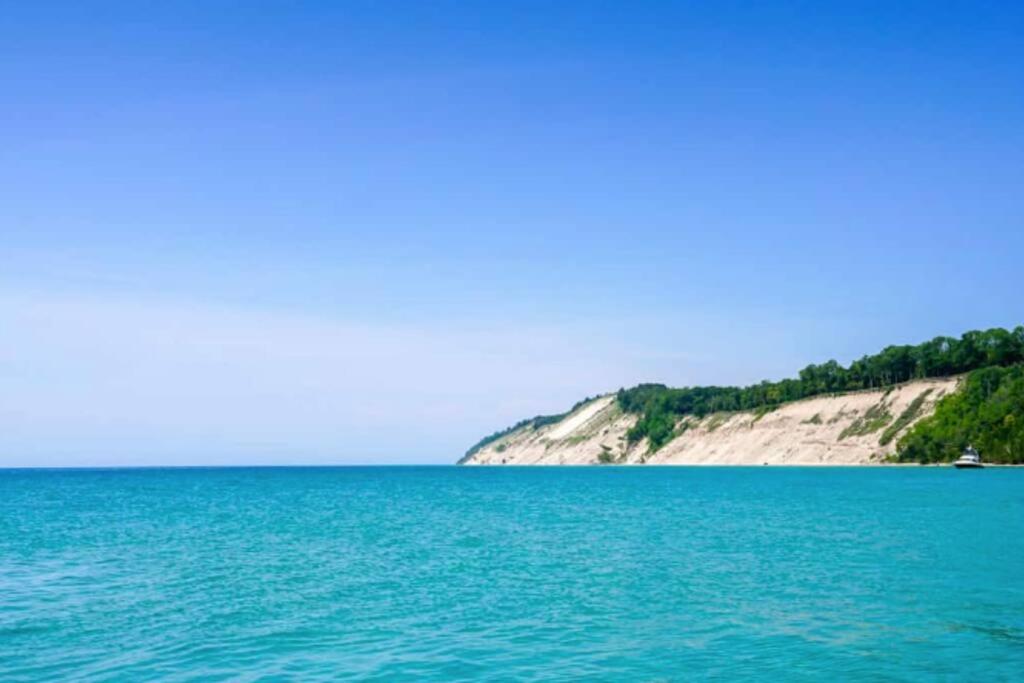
660,407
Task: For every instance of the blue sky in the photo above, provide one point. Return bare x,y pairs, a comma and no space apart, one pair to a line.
373,232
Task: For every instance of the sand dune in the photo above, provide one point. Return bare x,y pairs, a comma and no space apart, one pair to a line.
844,429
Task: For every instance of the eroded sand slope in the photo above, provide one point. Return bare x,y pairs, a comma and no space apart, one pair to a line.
845,429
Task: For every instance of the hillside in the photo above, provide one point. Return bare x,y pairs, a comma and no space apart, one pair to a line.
854,428
911,403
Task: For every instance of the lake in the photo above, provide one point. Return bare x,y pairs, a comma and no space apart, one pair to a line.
448,573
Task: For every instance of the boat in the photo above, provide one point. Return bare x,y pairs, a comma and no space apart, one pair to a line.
969,459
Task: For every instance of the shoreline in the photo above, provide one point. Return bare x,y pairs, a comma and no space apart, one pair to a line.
783,465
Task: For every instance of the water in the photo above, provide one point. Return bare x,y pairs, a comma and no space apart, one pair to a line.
543,574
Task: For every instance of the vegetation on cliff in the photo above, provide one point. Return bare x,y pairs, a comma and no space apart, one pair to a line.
660,408
987,412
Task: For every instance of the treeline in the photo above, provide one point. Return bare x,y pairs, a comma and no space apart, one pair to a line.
660,407
987,412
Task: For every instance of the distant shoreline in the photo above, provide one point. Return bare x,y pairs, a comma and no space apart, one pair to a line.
703,465
852,429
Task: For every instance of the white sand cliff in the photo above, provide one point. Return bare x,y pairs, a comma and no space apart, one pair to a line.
843,429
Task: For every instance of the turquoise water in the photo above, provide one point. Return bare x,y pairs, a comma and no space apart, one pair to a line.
512,574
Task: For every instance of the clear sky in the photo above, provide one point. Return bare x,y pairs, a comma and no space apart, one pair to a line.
334,232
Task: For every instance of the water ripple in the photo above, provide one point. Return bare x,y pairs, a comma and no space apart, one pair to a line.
464,574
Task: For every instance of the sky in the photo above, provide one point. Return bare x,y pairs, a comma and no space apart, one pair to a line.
373,232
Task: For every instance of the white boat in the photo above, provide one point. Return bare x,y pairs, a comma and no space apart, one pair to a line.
968,459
